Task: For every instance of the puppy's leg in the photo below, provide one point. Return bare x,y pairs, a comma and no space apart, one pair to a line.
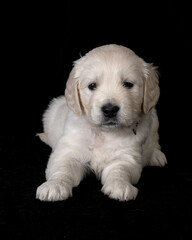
63,173
117,179
158,158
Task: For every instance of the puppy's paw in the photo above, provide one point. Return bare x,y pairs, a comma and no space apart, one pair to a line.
158,158
53,190
119,190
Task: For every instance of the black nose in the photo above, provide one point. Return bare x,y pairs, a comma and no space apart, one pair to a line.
109,110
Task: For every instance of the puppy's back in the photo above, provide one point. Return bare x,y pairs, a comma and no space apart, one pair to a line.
54,120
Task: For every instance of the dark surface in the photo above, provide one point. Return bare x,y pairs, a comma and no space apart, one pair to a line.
162,209
39,45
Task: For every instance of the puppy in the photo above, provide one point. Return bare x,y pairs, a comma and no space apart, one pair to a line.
106,123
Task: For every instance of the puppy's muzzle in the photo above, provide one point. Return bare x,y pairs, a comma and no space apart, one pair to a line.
110,110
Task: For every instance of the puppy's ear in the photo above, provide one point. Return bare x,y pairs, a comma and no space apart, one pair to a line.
72,93
151,87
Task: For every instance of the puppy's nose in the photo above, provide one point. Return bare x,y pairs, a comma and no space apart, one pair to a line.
109,110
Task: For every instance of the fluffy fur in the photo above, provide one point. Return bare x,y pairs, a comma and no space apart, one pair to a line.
105,123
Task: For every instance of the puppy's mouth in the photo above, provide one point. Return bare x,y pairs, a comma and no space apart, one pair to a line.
110,124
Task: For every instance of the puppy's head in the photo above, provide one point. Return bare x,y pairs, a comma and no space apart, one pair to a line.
112,86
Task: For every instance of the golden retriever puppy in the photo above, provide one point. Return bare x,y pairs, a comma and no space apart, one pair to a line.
106,123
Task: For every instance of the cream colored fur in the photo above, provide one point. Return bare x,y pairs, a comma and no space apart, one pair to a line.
82,138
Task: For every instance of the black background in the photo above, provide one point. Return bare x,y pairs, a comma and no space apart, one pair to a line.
39,44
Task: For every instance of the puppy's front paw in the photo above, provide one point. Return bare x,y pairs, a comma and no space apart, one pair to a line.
119,190
53,190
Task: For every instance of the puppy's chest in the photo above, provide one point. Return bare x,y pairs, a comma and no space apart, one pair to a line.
104,147
102,141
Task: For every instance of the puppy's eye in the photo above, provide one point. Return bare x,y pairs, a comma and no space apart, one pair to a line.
92,86
128,84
